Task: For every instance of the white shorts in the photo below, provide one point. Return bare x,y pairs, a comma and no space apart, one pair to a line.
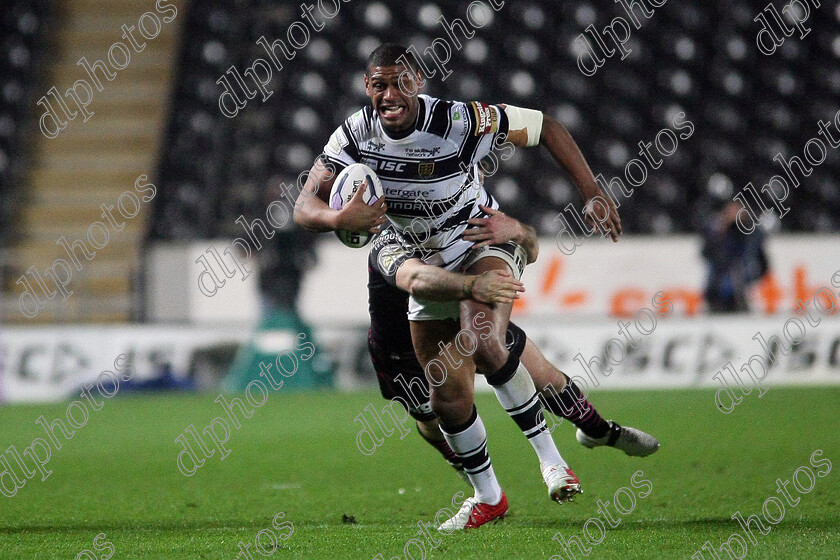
427,310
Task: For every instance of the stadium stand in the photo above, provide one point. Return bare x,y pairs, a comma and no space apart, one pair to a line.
22,28
231,162
216,169
68,178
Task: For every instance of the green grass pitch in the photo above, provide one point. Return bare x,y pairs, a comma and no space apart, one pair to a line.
297,454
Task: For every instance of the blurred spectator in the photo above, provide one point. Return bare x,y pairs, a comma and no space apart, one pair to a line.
283,262
735,260
286,256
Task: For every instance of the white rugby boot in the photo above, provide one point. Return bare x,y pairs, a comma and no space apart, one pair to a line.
562,483
632,441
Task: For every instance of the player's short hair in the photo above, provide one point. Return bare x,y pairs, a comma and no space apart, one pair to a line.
389,54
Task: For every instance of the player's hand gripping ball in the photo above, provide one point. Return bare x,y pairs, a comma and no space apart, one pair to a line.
348,181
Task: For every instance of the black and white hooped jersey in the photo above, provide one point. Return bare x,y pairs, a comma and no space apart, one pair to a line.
431,177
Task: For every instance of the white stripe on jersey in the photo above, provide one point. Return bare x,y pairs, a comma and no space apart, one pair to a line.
430,177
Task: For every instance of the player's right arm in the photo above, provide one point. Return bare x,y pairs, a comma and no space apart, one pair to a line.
314,214
567,154
525,128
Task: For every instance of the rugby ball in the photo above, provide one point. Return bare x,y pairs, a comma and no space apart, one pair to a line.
346,184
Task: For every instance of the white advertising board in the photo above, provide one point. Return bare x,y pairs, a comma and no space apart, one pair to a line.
678,352
600,278
681,352
49,363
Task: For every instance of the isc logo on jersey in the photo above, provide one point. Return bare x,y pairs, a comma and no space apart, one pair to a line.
346,184
379,165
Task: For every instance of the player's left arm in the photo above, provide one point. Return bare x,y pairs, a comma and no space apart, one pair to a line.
527,127
501,228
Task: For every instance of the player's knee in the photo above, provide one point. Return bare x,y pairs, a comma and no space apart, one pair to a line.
453,414
452,410
481,339
490,355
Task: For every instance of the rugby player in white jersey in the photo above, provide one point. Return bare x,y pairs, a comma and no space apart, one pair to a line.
426,153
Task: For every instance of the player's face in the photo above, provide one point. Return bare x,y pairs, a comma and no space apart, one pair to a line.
396,109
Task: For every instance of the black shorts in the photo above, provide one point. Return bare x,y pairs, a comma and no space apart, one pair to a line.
401,375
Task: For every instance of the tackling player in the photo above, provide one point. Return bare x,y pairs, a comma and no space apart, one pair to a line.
420,148
394,273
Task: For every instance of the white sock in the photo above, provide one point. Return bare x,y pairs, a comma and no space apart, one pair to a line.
519,398
469,442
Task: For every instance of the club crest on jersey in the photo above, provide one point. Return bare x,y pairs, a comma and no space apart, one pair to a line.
377,146
486,121
426,169
388,258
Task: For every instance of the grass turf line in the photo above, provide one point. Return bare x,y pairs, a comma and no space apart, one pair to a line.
297,454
